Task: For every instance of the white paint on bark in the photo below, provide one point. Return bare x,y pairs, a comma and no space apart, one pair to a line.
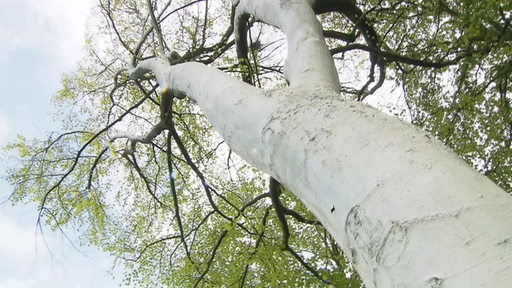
309,61
408,212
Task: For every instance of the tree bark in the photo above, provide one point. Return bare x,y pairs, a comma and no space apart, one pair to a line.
408,212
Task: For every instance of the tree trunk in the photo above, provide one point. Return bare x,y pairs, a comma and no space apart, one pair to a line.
408,212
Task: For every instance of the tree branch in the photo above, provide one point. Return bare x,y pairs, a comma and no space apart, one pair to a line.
393,57
175,194
210,261
156,27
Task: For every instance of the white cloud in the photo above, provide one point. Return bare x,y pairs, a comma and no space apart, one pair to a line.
40,40
29,261
5,129
43,24
64,25
17,283
17,241
54,28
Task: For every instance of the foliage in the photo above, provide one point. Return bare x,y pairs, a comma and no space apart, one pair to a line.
464,98
165,195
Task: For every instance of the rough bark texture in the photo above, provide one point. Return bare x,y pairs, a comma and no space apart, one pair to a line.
408,212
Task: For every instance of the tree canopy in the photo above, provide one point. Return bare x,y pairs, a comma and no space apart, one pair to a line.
154,185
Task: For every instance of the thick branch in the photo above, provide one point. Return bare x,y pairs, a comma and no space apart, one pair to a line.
309,62
146,139
339,35
175,194
393,57
275,192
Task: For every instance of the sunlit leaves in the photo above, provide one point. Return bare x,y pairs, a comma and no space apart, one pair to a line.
466,104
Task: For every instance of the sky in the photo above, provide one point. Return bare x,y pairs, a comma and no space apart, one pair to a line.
39,41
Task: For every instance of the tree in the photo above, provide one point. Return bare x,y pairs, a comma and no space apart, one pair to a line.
395,200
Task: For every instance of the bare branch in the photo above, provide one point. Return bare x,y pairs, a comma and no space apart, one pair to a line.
156,27
81,150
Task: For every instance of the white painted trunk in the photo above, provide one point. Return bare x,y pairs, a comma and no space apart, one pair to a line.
408,212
